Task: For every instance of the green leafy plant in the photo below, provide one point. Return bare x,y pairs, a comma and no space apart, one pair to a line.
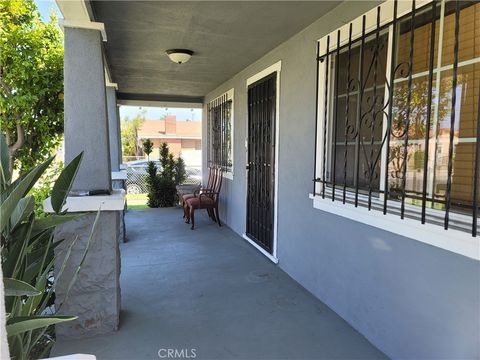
43,186
27,256
162,190
180,172
31,83
147,147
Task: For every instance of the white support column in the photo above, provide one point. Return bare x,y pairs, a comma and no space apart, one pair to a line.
95,296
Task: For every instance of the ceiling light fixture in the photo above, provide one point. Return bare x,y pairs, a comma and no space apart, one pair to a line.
179,56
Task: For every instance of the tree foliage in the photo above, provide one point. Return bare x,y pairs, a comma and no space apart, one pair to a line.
147,147
130,135
180,172
31,83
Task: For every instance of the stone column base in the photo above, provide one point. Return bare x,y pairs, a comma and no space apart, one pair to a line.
95,295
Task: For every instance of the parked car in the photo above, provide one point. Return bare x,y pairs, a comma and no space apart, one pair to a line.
137,175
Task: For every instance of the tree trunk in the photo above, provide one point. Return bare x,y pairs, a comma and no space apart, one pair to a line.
12,148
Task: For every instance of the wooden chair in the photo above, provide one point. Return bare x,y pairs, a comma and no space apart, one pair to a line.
210,183
208,199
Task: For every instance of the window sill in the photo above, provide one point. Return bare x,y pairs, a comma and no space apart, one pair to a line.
456,241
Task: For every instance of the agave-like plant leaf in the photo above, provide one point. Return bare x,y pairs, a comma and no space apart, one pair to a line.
10,203
14,287
64,183
21,324
33,302
28,257
4,163
17,251
65,259
4,194
32,270
23,210
34,266
52,221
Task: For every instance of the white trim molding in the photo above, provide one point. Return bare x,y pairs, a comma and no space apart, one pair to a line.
277,67
166,104
173,137
110,84
456,241
74,9
274,68
274,259
113,202
84,25
228,175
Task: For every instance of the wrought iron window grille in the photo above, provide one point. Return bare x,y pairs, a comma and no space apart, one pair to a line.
386,135
220,132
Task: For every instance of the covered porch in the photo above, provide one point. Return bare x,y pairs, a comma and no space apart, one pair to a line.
412,289
212,293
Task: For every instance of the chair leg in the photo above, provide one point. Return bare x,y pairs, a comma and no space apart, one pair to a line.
192,217
211,214
217,216
186,214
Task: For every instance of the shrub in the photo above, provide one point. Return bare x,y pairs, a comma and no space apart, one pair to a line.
180,173
162,190
147,147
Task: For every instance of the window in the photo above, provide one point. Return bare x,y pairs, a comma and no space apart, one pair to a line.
397,112
220,132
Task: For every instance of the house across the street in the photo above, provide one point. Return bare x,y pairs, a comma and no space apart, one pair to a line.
184,137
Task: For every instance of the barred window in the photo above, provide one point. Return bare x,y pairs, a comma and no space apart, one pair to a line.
220,132
397,112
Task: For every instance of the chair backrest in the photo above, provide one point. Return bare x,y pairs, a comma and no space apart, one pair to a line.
211,178
218,183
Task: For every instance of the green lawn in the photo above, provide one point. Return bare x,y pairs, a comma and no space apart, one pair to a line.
137,201
136,197
140,206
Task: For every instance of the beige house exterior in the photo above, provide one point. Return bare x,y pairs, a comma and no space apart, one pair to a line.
184,138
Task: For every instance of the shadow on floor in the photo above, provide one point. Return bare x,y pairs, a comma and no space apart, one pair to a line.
209,294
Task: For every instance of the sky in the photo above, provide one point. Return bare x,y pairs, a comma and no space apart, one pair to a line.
153,113
45,7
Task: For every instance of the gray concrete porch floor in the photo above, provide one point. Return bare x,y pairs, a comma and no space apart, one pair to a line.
211,291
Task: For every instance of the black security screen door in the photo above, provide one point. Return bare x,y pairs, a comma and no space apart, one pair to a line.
261,161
